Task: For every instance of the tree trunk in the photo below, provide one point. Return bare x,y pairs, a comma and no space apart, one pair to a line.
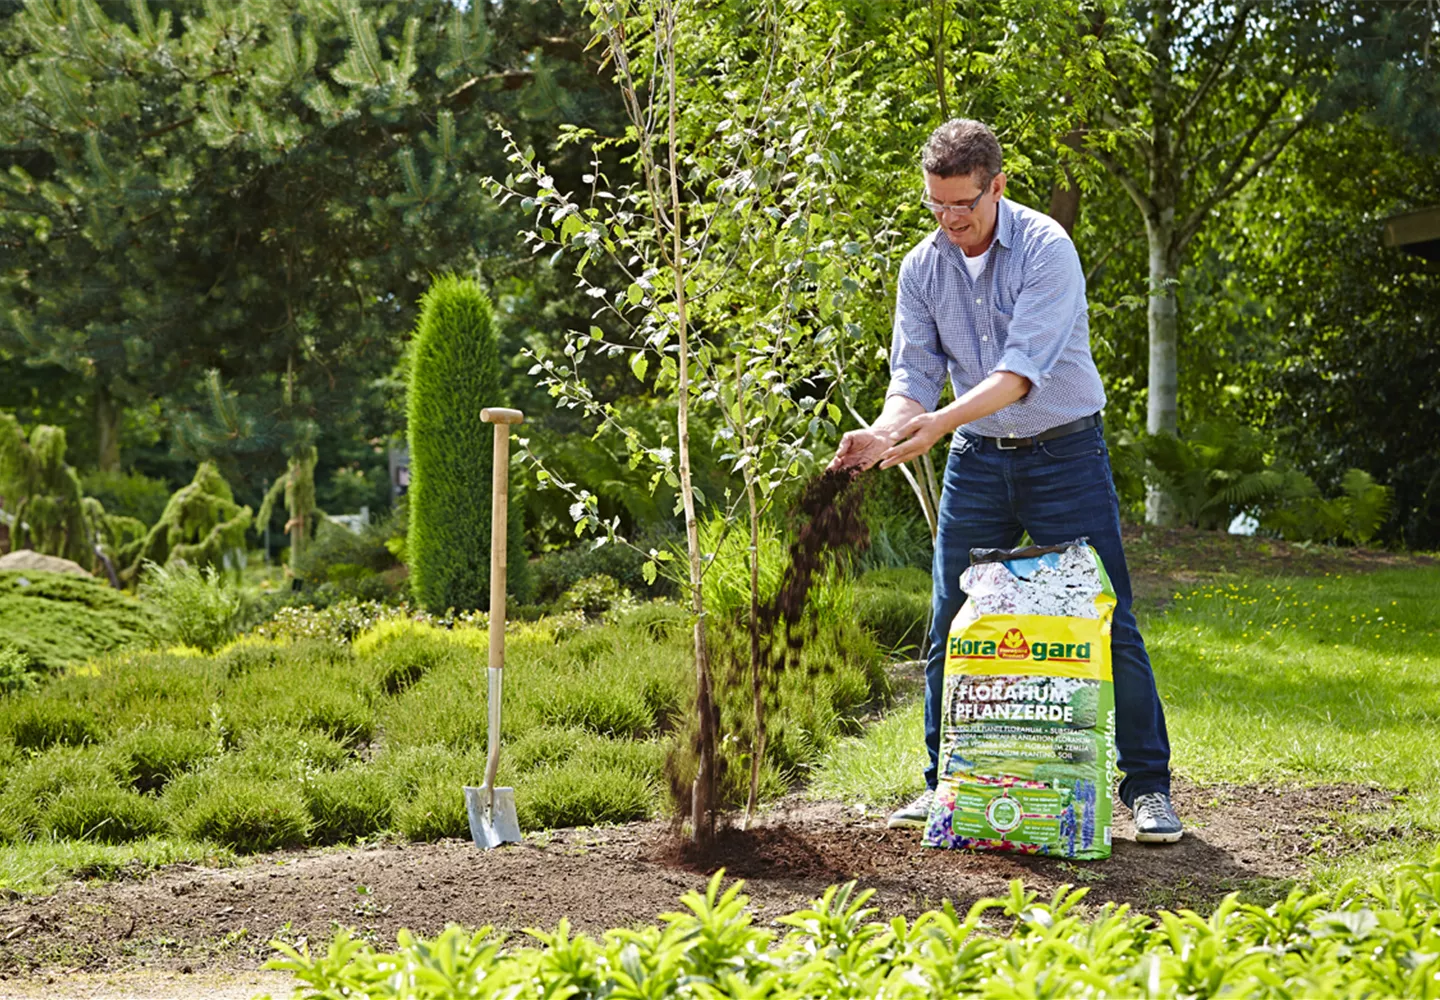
702,792
107,429
757,681
1163,392
1065,202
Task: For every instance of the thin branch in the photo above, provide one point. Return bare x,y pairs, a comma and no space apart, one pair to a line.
1192,222
1221,65
1142,200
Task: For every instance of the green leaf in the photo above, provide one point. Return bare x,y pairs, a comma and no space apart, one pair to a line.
647,570
634,294
639,363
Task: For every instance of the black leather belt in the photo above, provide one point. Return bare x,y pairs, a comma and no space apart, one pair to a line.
1073,427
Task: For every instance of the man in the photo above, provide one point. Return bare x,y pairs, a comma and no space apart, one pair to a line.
996,298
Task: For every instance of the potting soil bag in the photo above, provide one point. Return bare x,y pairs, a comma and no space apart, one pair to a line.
1027,741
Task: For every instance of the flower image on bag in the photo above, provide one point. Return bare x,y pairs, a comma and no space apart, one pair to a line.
1027,742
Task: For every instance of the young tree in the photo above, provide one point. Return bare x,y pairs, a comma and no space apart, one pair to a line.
737,259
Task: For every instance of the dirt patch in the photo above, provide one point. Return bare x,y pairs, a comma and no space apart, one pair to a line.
1161,559
201,921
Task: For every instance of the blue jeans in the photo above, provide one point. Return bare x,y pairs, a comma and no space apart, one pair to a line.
1057,490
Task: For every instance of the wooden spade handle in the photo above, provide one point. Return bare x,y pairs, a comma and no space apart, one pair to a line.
499,523
500,415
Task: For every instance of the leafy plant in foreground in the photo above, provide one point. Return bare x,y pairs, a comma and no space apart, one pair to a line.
1378,939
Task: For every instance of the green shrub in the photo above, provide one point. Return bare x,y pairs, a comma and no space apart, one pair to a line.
557,572
57,619
248,816
1354,516
434,811
128,494
595,596
347,804
657,621
448,706
277,751
315,687
584,699
201,607
342,715
336,545
401,662
898,539
896,618
150,757
104,814
1376,939
16,671
583,792
39,781
249,654
339,622
130,690
45,722
454,373
542,747
908,580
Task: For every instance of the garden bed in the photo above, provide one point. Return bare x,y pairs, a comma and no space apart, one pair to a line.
195,920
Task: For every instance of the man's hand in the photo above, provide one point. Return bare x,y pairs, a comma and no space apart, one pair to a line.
916,436
861,448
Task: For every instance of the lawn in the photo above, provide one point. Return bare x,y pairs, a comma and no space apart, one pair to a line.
1328,679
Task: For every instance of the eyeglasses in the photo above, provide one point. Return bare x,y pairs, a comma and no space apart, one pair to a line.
940,208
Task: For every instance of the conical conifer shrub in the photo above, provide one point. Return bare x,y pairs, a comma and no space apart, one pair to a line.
454,374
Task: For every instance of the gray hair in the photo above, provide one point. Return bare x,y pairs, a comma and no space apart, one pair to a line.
961,147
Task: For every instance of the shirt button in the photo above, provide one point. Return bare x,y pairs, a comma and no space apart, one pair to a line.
977,302
985,338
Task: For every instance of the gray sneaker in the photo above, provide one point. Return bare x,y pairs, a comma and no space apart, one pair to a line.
1155,819
915,814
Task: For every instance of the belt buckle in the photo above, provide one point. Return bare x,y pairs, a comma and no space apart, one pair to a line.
1000,444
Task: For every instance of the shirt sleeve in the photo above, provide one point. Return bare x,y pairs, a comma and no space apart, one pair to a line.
1051,299
917,363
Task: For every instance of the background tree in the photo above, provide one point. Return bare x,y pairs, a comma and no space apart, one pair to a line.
42,493
257,188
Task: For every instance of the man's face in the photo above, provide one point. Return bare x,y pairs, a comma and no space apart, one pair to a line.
969,229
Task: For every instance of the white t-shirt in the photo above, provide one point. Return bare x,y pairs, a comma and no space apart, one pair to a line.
975,264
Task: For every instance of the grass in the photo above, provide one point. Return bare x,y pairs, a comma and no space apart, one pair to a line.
1309,680
1335,679
35,866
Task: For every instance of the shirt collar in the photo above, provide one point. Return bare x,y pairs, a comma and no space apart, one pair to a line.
1004,229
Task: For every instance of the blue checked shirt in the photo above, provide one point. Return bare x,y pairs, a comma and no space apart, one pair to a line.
1026,314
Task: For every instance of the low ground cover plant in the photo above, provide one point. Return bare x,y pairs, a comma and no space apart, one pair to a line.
1380,938
305,738
59,619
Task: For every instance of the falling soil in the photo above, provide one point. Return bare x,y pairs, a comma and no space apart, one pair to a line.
203,921
828,529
